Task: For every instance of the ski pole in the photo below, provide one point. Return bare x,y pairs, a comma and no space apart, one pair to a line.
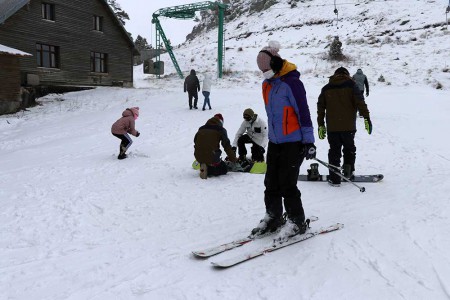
329,165
361,188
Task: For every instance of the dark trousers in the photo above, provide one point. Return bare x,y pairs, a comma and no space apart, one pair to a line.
341,142
193,94
283,165
125,142
218,169
206,101
257,150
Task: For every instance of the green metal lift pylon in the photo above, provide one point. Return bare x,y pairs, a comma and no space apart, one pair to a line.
184,12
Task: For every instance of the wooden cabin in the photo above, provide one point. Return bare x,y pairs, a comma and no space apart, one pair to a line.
74,43
10,86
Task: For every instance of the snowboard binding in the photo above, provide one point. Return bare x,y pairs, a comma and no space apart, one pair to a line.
313,173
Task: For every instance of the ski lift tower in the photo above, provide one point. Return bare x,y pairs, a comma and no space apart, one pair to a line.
185,12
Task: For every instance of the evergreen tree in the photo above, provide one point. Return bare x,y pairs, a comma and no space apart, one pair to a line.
141,43
118,11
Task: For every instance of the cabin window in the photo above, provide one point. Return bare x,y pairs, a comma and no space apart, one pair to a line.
47,56
99,62
48,11
97,23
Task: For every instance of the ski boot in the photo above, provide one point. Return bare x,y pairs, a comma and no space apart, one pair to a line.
348,172
313,173
268,225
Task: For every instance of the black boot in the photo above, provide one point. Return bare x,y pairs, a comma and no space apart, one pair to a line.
348,171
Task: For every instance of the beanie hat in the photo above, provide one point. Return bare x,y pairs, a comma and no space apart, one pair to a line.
219,116
263,59
342,70
135,111
249,112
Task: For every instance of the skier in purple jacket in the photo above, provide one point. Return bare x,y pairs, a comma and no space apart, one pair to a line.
291,139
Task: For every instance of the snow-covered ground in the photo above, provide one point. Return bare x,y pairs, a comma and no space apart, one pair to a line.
76,223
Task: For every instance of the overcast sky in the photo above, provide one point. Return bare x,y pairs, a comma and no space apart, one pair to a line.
140,23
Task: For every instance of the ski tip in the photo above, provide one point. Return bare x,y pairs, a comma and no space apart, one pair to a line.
340,225
218,265
313,218
199,254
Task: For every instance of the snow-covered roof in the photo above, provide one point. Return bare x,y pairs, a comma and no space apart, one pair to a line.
10,7
12,51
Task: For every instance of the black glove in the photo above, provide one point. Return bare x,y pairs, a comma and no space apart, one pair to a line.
138,133
309,151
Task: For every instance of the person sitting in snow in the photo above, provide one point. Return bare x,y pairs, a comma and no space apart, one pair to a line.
207,147
124,126
253,131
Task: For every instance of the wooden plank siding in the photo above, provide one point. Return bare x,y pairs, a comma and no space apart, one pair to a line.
72,32
9,83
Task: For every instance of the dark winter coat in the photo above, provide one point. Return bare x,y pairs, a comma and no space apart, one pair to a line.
191,83
289,119
207,143
125,124
361,80
338,103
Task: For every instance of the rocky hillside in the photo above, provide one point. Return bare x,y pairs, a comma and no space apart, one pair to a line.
403,42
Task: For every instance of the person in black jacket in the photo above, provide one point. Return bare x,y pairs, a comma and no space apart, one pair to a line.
192,86
338,102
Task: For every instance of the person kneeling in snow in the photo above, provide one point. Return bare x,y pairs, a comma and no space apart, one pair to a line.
124,126
207,147
253,131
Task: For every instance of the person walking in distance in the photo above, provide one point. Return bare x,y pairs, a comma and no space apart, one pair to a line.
206,90
192,87
361,81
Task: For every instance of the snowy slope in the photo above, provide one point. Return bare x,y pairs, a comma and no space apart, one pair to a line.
76,223
405,41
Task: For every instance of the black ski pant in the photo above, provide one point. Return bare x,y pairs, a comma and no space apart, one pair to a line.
125,142
192,94
283,165
257,150
341,142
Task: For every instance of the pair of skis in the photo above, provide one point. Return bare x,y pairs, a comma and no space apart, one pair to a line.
275,245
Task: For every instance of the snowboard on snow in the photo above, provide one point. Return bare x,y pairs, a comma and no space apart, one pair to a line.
356,178
246,167
314,175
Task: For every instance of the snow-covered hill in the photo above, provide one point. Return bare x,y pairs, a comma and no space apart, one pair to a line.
405,41
76,223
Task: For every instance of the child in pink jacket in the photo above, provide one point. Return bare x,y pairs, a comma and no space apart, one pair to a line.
124,126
